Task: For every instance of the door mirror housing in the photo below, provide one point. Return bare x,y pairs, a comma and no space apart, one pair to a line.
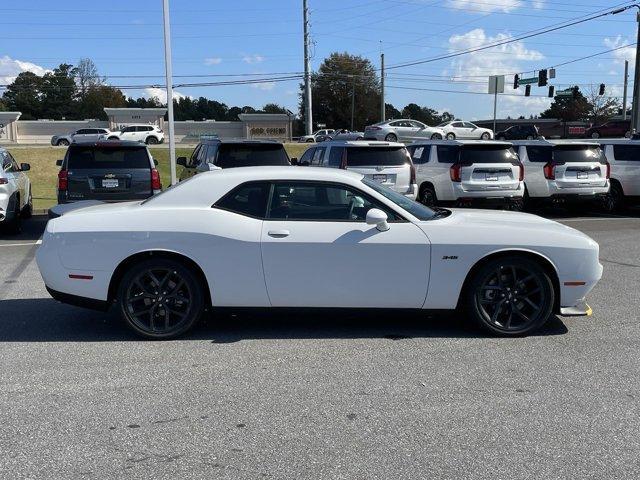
25,167
181,161
59,163
378,218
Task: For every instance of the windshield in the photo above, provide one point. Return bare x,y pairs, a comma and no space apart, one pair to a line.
414,208
239,155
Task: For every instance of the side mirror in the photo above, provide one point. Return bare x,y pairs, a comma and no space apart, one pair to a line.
181,161
25,167
294,161
155,162
59,163
378,218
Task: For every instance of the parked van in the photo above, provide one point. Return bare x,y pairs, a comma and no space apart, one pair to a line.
624,157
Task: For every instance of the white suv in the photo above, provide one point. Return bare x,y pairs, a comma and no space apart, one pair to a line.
385,162
564,171
15,193
149,134
624,158
468,172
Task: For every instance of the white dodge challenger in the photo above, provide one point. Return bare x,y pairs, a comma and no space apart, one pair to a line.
307,237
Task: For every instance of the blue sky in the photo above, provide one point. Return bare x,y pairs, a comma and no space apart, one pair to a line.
124,38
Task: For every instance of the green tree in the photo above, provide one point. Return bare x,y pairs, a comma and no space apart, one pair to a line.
391,112
568,108
24,95
97,98
425,114
59,93
340,76
273,108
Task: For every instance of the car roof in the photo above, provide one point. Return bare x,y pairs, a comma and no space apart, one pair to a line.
239,141
361,143
461,142
618,141
108,143
551,143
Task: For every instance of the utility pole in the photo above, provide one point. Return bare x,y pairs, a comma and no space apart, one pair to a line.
307,72
353,100
624,93
382,106
635,116
169,83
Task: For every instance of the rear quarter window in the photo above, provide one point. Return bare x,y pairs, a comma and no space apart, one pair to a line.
377,156
627,153
539,154
107,158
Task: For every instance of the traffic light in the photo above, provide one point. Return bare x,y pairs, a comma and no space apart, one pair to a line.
552,91
527,90
601,91
516,81
542,78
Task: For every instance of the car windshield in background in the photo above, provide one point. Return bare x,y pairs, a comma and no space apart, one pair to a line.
414,208
110,158
374,156
238,155
577,153
488,154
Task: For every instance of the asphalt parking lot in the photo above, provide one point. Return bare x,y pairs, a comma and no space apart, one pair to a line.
321,396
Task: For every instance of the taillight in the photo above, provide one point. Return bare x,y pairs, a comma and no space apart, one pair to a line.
343,160
373,128
608,170
454,172
549,171
521,175
155,180
412,170
63,180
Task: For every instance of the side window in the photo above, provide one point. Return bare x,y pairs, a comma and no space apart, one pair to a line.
335,156
249,199
6,163
396,124
307,155
469,125
129,130
626,153
202,155
194,155
447,154
9,164
83,131
539,154
318,201
211,153
421,154
317,156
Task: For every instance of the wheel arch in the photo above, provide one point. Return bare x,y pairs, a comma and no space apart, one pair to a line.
617,182
138,257
428,183
542,260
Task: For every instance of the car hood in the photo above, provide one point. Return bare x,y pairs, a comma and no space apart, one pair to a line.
499,227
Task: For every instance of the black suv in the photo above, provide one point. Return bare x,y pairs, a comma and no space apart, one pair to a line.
519,132
214,153
109,170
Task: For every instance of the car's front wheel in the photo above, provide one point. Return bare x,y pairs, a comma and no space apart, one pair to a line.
310,140
63,143
436,136
391,137
152,141
160,298
451,136
595,134
510,296
485,136
27,211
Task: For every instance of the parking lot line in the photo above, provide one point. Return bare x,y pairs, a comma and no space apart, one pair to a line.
37,242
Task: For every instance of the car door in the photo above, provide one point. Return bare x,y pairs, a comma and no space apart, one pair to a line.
413,133
397,128
470,130
128,133
318,251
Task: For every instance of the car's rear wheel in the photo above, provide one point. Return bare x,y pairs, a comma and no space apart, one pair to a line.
617,196
595,134
160,298
428,196
510,296
310,140
391,137
451,136
63,142
485,136
152,141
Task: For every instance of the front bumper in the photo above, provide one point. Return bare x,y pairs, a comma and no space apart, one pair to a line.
581,309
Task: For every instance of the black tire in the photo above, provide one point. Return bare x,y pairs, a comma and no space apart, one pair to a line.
485,136
63,142
617,197
27,211
595,134
517,205
391,137
113,138
505,285
155,290
151,140
310,140
436,136
14,226
428,196
450,136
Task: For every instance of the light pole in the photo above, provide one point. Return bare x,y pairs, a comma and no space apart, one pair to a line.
169,83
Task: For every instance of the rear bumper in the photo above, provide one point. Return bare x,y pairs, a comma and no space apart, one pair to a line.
495,201
460,193
78,301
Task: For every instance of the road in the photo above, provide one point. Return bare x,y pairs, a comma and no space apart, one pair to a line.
314,396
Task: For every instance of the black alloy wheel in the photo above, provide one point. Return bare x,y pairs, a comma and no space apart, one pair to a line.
510,296
428,196
160,299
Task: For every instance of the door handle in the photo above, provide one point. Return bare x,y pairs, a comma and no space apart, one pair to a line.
278,233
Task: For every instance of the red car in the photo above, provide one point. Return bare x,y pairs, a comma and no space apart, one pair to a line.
612,128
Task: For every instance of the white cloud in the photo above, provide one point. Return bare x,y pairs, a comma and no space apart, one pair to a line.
492,6
511,106
161,94
253,58
10,68
538,4
212,61
626,53
264,85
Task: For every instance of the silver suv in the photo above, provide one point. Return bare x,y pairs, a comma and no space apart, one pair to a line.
464,172
387,163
